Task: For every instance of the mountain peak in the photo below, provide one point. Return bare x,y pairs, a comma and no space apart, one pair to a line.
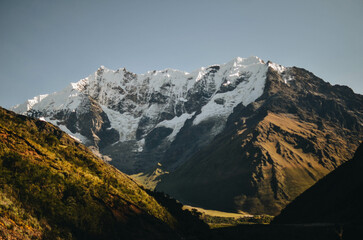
239,61
277,67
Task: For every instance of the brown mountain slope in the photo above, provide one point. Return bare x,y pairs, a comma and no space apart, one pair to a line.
273,149
52,187
336,198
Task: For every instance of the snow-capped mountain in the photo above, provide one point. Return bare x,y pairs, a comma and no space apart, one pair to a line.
144,113
244,135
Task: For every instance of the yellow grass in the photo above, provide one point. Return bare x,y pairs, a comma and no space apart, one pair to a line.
215,213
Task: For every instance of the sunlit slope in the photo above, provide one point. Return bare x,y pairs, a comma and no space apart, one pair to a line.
53,187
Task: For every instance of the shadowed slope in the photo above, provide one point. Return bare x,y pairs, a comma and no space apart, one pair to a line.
336,198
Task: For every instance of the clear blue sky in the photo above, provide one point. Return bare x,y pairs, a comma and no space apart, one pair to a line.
45,45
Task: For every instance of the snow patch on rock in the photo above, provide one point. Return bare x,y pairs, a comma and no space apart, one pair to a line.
76,136
176,124
245,92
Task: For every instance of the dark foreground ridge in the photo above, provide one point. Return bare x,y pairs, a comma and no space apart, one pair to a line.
288,232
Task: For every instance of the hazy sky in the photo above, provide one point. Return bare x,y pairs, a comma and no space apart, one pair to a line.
45,45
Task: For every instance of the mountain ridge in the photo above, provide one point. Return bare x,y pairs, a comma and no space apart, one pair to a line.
283,129
280,129
128,107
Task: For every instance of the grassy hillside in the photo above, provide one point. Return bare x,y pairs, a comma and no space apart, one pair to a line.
52,187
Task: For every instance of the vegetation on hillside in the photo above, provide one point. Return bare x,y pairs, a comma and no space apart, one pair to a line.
52,187
188,223
216,222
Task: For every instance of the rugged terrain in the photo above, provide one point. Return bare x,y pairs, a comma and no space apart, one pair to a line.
245,135
139,120
53,187
274,148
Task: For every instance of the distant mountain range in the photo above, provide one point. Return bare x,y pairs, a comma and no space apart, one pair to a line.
245,135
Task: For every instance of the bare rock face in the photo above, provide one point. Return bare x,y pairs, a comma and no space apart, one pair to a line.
245,135
95,125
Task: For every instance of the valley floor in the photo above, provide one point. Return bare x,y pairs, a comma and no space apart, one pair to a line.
224,225
219,219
